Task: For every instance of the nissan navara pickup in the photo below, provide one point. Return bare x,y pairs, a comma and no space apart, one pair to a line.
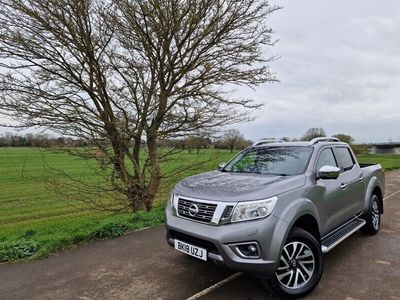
275,209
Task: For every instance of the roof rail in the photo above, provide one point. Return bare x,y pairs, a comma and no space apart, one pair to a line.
267,141
323,139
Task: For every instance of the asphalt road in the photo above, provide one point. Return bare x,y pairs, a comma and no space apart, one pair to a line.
140,265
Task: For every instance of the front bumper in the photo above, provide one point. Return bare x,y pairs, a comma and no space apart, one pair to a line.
269,233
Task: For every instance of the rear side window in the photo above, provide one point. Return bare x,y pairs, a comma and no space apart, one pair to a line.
326,158
345,158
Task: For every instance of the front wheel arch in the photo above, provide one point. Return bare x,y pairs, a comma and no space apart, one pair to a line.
309,224
299,234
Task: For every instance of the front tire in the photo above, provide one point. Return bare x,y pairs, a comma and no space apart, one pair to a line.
372,216
300,267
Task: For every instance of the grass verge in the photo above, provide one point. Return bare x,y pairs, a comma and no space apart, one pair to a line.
33,245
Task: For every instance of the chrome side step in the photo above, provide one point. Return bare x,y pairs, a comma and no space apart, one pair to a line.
339,235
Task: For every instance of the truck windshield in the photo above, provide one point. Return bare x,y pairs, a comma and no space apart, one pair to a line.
282,161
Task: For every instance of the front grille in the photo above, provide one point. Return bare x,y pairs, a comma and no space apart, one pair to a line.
227,212
196,210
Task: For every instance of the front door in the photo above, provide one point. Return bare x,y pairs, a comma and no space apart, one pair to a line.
333,202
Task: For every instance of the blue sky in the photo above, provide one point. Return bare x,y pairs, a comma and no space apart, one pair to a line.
339,69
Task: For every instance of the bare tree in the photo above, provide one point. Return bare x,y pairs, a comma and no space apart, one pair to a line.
121,73
344,138
197,142
233,138
313,133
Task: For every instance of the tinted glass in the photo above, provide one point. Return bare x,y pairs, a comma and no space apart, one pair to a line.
271,160
345,158
326,158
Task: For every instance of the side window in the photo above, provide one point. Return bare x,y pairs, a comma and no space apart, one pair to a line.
345,158
326,158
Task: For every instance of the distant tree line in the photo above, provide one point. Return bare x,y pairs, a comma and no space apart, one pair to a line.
231,139
320,132
358,149
38,140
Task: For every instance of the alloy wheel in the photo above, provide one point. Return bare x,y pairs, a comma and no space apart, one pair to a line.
296,267
375,214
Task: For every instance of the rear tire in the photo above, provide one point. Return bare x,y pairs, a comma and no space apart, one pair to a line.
372,216
300,267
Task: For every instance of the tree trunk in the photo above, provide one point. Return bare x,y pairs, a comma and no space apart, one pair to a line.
135,199
155,176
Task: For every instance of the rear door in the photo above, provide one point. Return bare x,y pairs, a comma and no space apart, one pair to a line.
351,182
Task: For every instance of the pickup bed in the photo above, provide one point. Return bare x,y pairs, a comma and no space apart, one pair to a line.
275,208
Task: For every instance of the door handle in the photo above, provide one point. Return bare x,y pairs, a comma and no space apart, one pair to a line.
343,186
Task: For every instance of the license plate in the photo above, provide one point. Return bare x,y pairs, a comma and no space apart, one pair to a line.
191,250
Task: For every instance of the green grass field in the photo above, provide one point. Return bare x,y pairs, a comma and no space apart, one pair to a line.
388,161
35,221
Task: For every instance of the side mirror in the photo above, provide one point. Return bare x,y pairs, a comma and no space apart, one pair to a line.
328,172
221,166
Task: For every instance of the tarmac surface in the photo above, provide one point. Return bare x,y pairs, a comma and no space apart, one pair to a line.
140,265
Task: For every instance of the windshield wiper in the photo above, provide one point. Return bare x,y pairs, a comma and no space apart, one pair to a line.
277,174
255,172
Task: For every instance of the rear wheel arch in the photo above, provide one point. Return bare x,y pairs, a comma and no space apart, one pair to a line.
372,216
374,188
378,192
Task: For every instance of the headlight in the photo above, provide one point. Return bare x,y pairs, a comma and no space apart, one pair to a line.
171,203
252,210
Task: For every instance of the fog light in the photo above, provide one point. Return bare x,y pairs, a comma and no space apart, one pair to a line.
246,250
252,249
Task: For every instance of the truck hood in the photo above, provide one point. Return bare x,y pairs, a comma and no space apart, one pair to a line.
233,187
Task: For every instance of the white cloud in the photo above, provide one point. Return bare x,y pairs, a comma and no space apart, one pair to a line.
339,69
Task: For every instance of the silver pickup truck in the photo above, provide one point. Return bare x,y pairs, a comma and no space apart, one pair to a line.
275,208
